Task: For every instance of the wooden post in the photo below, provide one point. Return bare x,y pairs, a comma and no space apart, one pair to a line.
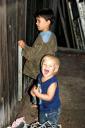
19,73
63,24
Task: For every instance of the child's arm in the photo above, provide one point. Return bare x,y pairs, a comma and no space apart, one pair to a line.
49,95
31,92
30,52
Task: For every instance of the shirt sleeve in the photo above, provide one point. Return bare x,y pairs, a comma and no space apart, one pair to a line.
32,52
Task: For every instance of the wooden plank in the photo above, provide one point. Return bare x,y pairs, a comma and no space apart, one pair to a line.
2,116
21,34
4,61
63,24
19,74
9,28
70,50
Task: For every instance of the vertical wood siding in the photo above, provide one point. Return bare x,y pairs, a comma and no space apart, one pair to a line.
12,28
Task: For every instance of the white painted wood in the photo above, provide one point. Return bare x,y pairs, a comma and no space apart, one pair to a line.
19,73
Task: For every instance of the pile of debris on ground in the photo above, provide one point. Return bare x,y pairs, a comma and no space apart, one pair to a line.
21,123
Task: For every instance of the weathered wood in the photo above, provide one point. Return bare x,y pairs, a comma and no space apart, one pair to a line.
70,50
70,17
20,74
4,60
63,24
12,27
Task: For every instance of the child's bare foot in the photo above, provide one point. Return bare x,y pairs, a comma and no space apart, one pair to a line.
36,119
34,106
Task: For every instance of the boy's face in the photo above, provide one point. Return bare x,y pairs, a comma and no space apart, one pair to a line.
42,24
48,67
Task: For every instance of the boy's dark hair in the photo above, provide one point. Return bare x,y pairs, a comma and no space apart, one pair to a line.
46,13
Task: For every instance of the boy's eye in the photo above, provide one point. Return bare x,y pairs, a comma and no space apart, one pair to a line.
38,21
50,66
44,64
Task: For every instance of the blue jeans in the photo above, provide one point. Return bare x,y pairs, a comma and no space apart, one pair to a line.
52,117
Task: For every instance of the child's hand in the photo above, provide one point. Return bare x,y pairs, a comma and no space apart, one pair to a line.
32,91
35,90
21,43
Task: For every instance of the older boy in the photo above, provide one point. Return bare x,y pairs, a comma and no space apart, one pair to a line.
45,43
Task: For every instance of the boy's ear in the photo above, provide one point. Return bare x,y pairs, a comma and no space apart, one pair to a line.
56,68
49,22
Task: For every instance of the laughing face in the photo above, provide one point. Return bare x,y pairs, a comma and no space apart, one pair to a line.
48,67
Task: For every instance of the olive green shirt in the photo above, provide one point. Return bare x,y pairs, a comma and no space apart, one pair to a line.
34,54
